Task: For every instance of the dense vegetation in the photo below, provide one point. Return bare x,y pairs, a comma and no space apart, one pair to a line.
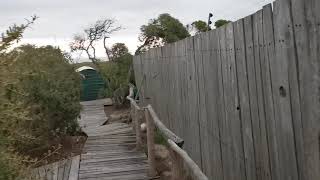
39,102
119,74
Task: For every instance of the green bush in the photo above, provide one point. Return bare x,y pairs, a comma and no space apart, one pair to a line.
117,75
39,101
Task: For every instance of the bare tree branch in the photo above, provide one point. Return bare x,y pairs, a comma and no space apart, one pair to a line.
100,31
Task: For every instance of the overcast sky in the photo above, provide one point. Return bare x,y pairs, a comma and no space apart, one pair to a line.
61,19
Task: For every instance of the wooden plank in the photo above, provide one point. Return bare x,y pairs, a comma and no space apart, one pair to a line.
199,41
74,169
281,84
210,48
67,169
264,167
192,124
233,106
179,82
60,173
258,96
241,64
226,146
268,46
306,18
166,54
162,82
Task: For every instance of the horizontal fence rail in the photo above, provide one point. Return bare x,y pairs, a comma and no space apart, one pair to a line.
245,97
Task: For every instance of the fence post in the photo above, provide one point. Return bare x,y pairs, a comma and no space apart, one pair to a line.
137,127
150,143
177,166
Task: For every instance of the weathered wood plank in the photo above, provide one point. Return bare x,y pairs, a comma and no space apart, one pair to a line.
192,124
306,18
226,146
282,91
199,51
268,46
244,106
109,150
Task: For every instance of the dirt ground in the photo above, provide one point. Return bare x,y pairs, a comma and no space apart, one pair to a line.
116,110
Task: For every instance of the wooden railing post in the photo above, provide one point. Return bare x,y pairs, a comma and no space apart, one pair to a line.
150,143
177,166
136,118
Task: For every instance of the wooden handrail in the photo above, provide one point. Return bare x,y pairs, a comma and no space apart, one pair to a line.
192,169
163,129
183,166
133,102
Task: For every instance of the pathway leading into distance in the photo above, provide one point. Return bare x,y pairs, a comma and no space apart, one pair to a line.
108,153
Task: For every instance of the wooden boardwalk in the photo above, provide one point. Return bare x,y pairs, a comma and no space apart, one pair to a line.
63,170
109,152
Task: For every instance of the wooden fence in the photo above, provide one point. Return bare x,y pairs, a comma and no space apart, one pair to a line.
244,97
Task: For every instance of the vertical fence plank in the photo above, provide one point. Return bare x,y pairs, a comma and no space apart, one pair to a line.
227,154
192,144
306,18
201,53
269,51
233,106
180,86
264,167
252,81
244,100
166,88
282,92
210,70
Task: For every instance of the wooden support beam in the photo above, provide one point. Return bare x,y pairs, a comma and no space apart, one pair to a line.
136,122
150,144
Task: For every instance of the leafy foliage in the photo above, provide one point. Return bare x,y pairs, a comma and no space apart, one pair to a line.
118,74
162,30
199,26
221,22
14,33
39,101
118,50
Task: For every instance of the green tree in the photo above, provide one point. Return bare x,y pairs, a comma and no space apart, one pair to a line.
199,26
12,115
14,33
159,31
221,22
117,50
118,74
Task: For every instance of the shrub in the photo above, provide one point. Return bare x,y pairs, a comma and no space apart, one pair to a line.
117,75
39,101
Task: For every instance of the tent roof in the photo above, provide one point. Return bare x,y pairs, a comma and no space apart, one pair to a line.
82,68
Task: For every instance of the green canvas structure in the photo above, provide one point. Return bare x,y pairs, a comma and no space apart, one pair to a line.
92,83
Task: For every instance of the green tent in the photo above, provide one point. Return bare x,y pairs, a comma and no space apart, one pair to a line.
92,83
